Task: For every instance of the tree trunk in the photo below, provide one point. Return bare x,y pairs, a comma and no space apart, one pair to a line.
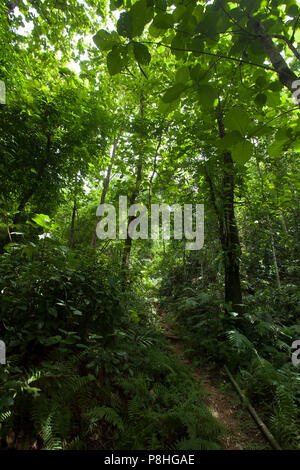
285,74
72,229
106,184
231,243
128,240
228,230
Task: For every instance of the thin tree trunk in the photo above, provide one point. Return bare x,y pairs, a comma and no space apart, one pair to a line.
72,230
274,255
154,170
270,228
138,180
106,183
128,240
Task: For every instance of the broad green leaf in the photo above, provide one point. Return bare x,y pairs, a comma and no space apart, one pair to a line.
114,64
141,15
292,11
197,72
163,21
237,119
182,75
207,95
161,4
282,134
103,40
179,12
242,151
42,220
141,53
178,43
125,25
260,99
173,93
275,149
197,46
230,139
166,108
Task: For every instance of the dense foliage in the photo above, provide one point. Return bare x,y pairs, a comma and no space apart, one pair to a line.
162,101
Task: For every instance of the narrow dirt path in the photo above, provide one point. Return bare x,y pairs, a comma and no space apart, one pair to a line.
242,433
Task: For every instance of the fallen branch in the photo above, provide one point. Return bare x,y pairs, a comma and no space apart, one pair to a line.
263,428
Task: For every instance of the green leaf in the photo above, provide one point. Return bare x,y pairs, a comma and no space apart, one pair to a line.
296,145
163,21
260,99
141,54
103,40
51,340
114,64
178,42
42,220
237,119
179,12
182,75
125,25
242,151
197,46
207,95
282,134
161,4
230,139
292,11
173,93
196,72
141,15
166,108
275,149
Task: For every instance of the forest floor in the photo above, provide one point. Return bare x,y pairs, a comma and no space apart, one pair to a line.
241,431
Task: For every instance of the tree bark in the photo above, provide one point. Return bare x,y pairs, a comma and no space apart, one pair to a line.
228,230
285,74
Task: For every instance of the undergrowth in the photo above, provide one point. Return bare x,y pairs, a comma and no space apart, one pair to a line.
86,370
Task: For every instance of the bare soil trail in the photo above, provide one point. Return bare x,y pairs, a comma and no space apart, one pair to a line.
242,433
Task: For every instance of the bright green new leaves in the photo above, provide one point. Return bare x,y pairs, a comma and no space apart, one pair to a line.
114,62
42,220
296,145
141,53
